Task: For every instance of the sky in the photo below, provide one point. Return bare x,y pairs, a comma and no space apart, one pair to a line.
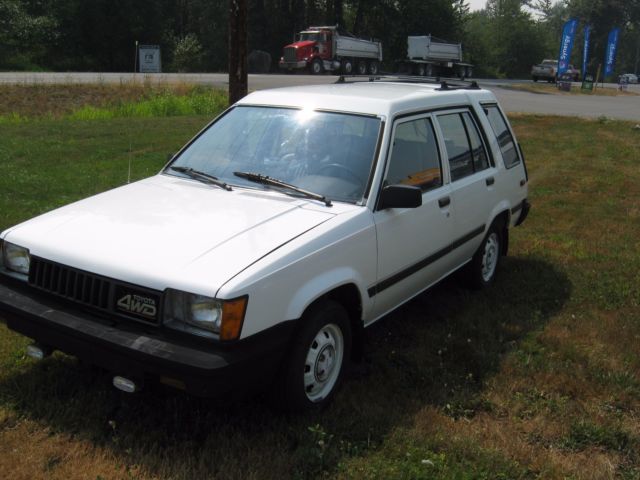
477,4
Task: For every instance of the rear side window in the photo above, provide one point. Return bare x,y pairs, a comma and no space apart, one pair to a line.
505,139
465,149
414,156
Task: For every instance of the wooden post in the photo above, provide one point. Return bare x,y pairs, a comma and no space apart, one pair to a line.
238,80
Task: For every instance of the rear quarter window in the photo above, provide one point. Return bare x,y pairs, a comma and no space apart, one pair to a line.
505,139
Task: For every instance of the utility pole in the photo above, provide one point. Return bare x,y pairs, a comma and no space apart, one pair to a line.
238,80
637,55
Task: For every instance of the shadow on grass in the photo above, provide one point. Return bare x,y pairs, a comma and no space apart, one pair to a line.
437,350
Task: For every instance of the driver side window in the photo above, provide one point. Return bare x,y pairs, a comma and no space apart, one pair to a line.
415,159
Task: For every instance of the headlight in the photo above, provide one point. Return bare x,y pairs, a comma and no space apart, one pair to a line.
16,258
183,311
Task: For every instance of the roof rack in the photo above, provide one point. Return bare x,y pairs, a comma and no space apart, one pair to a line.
445,85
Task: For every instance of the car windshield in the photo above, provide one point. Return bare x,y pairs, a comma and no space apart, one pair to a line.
312,36
322,152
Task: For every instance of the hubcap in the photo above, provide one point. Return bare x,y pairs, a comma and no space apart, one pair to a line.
490,256
323,362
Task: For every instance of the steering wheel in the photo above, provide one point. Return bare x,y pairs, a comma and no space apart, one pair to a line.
342,168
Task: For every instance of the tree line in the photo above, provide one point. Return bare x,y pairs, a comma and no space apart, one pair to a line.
503,39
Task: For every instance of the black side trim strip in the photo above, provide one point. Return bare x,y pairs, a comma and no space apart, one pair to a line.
392,280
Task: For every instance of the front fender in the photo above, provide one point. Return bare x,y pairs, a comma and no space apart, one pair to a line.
322,284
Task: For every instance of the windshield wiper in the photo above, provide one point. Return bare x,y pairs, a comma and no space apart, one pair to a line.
203,177
265,180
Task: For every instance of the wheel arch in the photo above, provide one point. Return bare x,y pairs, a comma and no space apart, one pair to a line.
348,295
502,220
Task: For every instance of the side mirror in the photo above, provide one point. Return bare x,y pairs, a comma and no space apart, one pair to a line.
400,196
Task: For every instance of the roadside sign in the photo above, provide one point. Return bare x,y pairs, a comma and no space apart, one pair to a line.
587,83
564,82
149,59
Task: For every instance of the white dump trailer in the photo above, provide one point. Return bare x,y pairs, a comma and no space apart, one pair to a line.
430,56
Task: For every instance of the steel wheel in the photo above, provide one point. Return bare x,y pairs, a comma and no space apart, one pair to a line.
490,256
481,271
323,362
316,67
313,369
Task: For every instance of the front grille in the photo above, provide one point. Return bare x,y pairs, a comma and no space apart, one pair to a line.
290,54
95,292
75,285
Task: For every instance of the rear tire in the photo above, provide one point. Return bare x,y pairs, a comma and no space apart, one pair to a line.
429,70
361,67
481,270
374,67
347,66
316,364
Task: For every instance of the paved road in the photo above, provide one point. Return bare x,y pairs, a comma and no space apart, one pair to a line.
625,108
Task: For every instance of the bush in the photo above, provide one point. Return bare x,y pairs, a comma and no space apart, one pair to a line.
187,54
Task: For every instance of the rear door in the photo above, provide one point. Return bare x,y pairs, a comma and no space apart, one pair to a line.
473,177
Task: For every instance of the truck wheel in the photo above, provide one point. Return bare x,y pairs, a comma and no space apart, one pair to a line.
374,67
429,70
316,67
422,70
535,79
469,72
481,270
362,67
317,360
462,73
347,66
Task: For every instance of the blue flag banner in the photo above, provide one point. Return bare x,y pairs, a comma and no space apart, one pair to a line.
610,56
585,50
566,44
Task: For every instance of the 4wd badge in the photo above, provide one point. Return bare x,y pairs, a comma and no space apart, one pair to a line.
135,304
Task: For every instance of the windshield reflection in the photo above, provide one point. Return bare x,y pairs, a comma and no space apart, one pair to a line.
323,152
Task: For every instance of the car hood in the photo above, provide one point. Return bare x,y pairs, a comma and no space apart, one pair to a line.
169,232
301,44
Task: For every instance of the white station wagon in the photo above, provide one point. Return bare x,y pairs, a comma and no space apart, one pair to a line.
264,247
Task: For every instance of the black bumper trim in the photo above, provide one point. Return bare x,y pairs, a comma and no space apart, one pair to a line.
523,207
204,369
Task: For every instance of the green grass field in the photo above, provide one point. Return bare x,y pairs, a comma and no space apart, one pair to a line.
538,377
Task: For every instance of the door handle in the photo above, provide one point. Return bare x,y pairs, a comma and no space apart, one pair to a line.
490,181
522,182
444,201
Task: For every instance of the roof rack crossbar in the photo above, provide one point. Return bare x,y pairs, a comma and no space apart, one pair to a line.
385,77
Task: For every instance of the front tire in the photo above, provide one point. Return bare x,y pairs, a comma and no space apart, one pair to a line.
316,67
481,271
316,363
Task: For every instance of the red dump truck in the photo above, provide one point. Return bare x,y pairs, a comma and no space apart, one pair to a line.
328,49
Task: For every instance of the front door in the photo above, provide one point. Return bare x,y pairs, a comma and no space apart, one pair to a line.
413,242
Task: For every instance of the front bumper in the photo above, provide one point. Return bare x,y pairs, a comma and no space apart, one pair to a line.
199,367
292,65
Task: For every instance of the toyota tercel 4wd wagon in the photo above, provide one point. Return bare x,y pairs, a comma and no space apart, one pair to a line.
263,248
